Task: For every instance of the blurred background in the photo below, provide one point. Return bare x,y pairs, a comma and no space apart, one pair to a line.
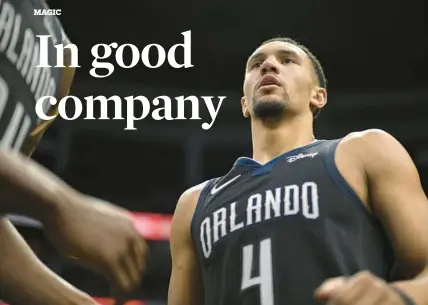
374,53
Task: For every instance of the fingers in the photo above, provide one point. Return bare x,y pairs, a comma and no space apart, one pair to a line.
131,265
373,297
361,289
327,289
120,277
349,293
139,253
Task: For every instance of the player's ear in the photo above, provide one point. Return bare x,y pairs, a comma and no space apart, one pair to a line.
318,98
245,111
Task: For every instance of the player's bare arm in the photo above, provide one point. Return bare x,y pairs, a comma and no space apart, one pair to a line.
394,195
73,221
29,189
185,285
26,280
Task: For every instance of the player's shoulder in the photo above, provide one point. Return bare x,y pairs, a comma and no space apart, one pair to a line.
191,195
189,198
185,208
371,148
368,135
369,140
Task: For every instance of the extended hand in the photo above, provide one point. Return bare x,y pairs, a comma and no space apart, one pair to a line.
102,236
362,288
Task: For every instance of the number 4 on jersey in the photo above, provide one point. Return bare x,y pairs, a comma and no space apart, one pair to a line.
265,278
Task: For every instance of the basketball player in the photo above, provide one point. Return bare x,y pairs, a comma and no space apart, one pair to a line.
305,221
96,232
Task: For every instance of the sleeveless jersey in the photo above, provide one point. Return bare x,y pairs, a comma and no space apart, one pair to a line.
21,82
271,234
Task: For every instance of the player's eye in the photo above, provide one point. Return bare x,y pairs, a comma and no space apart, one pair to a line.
287,60
256,65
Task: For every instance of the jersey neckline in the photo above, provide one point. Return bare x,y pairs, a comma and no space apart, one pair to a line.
253,164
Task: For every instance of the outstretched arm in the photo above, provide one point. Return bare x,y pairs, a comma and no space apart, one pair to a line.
29,189
25,280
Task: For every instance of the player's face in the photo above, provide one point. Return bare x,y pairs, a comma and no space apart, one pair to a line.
279,78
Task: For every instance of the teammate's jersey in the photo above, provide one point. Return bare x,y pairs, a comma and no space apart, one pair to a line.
270,234
21,82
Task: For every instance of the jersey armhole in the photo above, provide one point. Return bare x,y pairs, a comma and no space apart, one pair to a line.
199,203
340,181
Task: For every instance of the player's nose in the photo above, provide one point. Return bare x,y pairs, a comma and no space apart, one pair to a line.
269,66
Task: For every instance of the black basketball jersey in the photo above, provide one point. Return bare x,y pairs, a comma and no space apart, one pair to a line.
21,82
270,234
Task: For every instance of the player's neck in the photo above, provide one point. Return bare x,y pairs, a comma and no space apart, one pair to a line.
270,141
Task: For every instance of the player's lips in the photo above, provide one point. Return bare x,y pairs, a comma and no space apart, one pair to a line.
268,81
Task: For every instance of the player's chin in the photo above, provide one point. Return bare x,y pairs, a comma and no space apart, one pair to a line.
272,94
269,108
270,98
